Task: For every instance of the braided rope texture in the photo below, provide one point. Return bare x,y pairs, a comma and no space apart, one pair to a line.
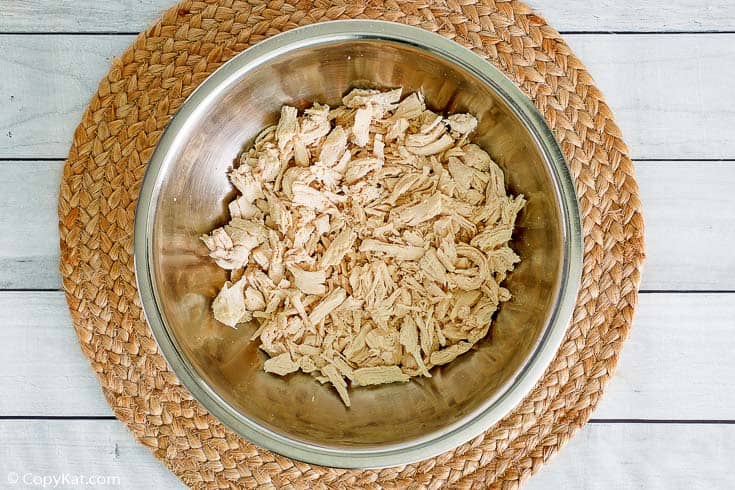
99,191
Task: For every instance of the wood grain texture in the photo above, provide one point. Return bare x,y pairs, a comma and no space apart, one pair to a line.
45,85
642,456
671,94
677,364
565,15
29,244
88,447
668,100
688,210
42,364
600,457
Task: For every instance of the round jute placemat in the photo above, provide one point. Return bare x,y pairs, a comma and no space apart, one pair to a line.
99,190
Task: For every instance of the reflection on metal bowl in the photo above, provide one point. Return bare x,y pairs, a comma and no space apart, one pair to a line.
185,194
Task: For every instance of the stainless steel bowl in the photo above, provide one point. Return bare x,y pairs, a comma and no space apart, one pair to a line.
185,192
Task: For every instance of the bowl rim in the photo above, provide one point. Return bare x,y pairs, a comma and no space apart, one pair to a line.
511,393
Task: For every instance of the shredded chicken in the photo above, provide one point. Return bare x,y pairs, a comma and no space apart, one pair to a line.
368,242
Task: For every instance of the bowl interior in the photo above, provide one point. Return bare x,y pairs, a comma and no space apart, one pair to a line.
193,197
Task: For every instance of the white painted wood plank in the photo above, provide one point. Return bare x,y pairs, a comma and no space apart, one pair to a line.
671,93
633,15
564,15
642,456
688,208
29,243
81,15
92,448
600,457
42,368
45,85
677,364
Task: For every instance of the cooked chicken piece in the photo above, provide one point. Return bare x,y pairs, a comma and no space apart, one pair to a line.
476,157
483,312
432,266
230,246
438,146
410,340
379,147
254,300
341,244
269,163
325,306
361,167
333,147
279,213
492,237
246,232
427,134
306,196
329,176
309,282
449,354
463,302
338,382
461,173
510,209
404,183
466,283
462,123
410,107
242,208
322,224
431,124
361,98
301,154
343,162
229,305
397,130
403,252
367,242
361,127
242,178
379,375
293,175
502,259
314,124
424,211
288,127
280,365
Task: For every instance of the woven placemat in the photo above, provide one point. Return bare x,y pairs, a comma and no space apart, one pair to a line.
99,190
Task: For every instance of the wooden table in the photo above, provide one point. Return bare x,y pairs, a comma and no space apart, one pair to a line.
667,420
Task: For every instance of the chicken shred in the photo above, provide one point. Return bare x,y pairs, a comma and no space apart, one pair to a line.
368,242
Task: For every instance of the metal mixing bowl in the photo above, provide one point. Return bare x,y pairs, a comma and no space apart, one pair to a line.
186,191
